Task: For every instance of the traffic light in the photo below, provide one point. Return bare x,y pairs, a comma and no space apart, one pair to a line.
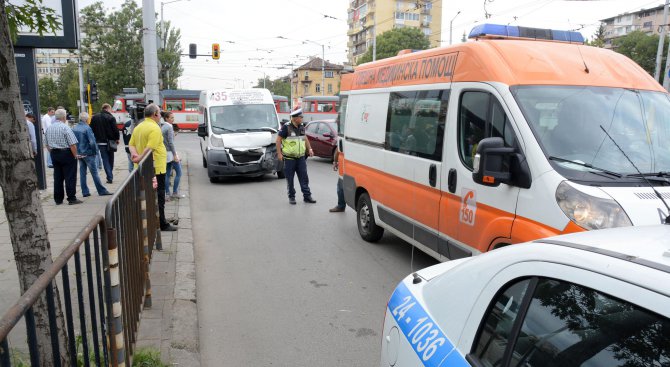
192,50
94,91
215,51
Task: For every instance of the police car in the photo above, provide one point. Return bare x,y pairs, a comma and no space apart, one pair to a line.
599,298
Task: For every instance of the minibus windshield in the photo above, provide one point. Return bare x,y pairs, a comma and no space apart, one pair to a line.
568,121
243,118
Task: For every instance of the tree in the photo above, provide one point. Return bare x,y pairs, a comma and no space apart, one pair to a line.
280,86
390,42
48,93
113,53
640,47
169,56
18,181
598,39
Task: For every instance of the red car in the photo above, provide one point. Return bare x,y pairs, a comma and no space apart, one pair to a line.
322,137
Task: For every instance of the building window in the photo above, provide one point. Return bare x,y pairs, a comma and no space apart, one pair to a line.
647,25
330,88
306,74
329,73
318,88
305,90
426,31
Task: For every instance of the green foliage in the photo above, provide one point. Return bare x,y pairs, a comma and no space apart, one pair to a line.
598,39
390,42
169,56
48,94
147,357
280,86
113,53
641,48
32,15
18,358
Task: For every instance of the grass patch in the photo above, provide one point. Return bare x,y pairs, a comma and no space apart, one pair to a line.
147,357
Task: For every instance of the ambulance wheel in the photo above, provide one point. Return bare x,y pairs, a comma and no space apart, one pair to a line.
367,228
204,162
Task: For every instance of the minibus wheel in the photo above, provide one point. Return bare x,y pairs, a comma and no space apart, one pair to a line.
367,227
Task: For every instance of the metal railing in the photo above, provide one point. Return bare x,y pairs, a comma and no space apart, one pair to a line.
117,252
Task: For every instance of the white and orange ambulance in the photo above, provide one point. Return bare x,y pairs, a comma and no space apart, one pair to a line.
519,134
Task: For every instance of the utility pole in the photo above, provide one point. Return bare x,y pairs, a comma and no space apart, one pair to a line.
82,91
374,37
661,43
451,25
150,52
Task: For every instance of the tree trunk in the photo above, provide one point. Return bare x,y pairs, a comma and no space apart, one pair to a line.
18,181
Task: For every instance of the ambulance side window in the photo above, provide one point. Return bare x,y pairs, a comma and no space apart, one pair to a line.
415,124
481,116
341,115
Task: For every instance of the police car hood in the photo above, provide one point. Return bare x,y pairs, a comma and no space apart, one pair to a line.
247,140
435,270
641,204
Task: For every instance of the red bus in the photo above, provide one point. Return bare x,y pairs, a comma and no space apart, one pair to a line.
320,107
184,104
282,107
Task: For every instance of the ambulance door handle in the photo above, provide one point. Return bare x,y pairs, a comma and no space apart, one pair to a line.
432,175
451,180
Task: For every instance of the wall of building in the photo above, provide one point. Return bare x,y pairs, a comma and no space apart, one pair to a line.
50,62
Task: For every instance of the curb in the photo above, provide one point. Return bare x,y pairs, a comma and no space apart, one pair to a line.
184,343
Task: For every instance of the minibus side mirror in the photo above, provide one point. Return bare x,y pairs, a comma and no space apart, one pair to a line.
202,131
495,163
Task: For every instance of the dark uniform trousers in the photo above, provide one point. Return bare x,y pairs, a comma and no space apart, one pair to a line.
65,171
299,166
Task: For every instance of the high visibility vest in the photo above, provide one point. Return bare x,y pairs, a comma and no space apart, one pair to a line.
293,146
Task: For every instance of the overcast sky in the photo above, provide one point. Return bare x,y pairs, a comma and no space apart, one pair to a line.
247,30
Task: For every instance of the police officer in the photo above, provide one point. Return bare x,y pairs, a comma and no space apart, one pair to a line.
293,148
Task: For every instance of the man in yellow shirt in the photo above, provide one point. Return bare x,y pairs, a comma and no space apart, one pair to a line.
147,136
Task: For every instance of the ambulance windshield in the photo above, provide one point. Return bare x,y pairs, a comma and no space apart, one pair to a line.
243,118
567,121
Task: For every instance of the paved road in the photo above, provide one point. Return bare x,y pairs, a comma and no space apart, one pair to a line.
287,285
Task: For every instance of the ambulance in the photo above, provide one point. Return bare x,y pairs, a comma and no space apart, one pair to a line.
518,134
238,128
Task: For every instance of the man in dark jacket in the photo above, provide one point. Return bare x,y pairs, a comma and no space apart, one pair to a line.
105,130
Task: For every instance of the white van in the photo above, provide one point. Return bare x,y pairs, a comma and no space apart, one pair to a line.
504,139
238,128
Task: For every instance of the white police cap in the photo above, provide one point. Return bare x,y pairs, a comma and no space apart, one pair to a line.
296,112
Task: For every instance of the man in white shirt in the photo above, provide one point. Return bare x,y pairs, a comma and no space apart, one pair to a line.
47,119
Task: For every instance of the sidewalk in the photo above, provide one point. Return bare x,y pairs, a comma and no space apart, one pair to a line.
171,324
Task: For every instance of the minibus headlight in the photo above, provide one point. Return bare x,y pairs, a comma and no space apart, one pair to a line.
590,212
216,141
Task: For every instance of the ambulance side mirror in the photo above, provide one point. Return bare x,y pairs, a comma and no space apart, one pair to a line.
202,131
489,168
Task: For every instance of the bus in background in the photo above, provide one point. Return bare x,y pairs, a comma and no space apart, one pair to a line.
320,107
122,102
184,104
282,107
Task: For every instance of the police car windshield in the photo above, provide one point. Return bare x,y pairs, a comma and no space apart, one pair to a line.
567,121
242,118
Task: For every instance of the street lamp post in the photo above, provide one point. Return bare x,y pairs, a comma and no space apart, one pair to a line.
451,24
323,66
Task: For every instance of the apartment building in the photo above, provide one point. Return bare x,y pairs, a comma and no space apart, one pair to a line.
51,61
307,80
369,17
645,20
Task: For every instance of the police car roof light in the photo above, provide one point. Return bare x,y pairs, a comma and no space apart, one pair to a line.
508,31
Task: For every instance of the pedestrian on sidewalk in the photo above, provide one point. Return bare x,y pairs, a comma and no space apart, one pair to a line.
293,148
341,204
47,119
62,144
30,123
146,137
107,136
169,130
127,131
87,150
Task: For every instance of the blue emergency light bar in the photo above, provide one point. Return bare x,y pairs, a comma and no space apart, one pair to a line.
510,31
